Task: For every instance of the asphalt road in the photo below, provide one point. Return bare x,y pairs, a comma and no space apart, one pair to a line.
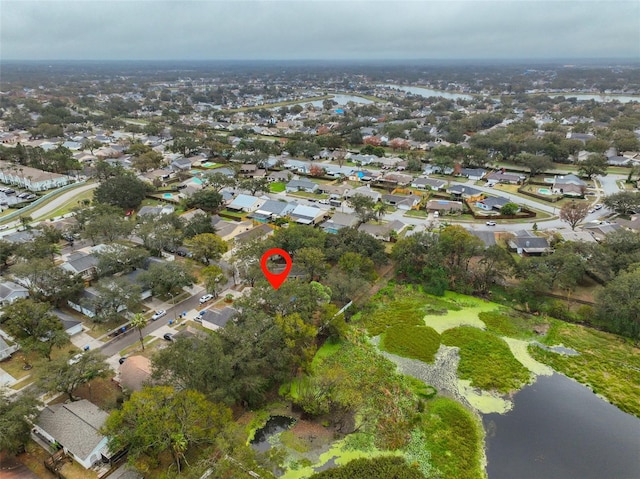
122,341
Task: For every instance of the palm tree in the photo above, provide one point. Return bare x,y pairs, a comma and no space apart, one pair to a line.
381,209
139,323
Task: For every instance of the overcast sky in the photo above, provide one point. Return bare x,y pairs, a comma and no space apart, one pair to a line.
317,29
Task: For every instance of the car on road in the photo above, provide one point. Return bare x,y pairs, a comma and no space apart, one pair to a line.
205,298
158,314
591,210
491,223
598,206
168,336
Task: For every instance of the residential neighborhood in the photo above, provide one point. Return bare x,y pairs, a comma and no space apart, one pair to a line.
137,208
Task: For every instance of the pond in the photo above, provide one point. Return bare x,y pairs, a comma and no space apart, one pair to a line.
275,425
559,429
428,92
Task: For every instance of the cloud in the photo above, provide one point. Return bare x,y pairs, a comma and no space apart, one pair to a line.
200,29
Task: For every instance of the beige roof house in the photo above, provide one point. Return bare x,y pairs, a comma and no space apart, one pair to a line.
135,372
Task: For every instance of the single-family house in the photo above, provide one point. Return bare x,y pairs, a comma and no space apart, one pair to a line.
617,160
487,237
385,231
134,373
458,190
76,427
492,203
339,221
263,231
428,184
218,318
334,191
84,264
229,230
71,325
527,243
444,206
245,203
307,215
283,175
272,210
600,230
10,291
474,174
85,303
503,177
366,191
301,185
395,179
402,202
6,350
181,164
568,185
248,169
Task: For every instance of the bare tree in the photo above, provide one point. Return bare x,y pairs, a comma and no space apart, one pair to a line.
573,213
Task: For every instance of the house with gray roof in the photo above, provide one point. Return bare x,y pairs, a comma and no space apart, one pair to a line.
10,291
527,243
463,191
568,185
503,177
301,185
181,164
473,173
271,210
81,263
339,221
76,427
218,318
492,203
428,183
156,210
401,202
366,191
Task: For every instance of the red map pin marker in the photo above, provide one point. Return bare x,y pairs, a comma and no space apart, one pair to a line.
276,280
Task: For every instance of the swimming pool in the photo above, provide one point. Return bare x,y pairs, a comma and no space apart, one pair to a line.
167,195
545,191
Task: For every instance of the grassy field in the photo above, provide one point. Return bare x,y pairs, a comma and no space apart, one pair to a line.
486,360
608,364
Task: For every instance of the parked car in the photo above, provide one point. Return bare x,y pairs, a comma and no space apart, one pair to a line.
598,206
205,298
75,359
491,223
122,359
158,314
168,336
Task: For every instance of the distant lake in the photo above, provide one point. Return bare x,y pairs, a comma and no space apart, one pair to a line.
559,429
598,98
341,100
428,92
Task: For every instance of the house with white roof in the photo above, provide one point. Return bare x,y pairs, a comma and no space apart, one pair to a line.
307,215
245,203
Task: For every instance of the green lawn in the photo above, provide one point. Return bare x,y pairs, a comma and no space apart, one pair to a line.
277,186
417,213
